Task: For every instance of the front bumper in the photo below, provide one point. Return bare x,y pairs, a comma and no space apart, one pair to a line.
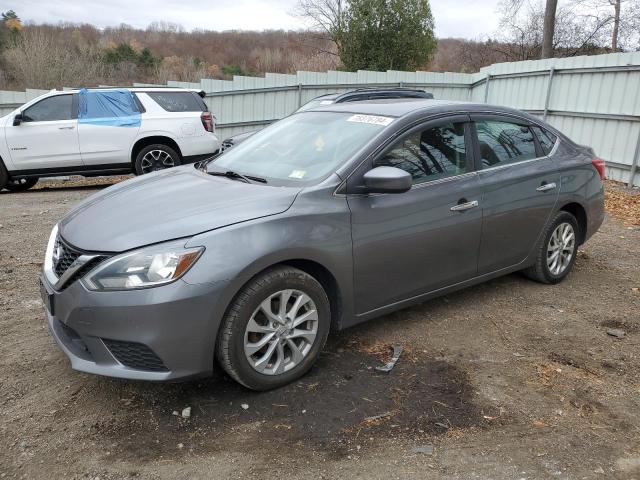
163,333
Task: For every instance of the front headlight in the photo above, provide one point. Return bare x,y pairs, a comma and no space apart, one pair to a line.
144,268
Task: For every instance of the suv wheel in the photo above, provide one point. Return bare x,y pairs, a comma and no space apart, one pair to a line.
156,157
21,185
274,329
556,252
4,176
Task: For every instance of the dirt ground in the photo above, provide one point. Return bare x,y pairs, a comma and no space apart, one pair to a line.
506,380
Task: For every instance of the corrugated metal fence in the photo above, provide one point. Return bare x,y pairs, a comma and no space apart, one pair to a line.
594,100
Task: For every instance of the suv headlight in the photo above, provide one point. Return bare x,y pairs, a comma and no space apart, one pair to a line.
144,268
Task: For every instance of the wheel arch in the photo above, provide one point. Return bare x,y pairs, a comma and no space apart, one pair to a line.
150,140
315,269
580,213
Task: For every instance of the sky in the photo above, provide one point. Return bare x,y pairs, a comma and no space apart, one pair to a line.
472,19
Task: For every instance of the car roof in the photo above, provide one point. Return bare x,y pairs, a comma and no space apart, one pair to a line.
393,107
400,107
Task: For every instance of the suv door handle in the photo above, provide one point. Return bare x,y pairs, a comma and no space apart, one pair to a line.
464,206
546,186
66,128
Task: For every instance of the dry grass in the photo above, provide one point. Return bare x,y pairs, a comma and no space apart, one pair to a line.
622,203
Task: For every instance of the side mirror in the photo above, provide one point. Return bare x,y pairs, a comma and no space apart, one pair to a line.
17,120
387,180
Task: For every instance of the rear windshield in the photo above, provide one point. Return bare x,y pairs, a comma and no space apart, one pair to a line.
179,101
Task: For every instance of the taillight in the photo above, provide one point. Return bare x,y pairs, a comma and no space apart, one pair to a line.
598,164
207,122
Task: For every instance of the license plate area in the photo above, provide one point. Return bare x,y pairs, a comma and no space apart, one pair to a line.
47,298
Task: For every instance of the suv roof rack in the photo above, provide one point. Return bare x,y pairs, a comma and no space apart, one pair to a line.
201,93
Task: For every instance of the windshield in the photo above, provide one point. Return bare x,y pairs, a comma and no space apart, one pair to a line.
301,148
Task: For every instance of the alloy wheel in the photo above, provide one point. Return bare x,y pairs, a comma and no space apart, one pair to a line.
281,332
155,160
560,249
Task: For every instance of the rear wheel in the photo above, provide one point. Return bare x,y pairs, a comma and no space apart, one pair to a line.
156,157
20,185
274,329
556,252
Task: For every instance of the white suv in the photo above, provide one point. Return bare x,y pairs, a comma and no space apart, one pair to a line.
50,135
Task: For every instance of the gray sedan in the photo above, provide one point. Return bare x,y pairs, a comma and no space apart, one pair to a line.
323,220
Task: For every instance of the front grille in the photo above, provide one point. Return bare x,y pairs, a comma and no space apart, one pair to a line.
66,256
135,355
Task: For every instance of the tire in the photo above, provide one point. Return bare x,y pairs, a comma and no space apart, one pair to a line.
4,176
236,335
156,157
542,271
21,185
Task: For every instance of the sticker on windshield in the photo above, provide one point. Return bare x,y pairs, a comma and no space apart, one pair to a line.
371,119
299,174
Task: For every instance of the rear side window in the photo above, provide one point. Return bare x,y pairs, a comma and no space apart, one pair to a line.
547,139
50,109
431,154
502,143
179,101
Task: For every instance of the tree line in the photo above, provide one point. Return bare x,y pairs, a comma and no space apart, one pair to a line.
343,34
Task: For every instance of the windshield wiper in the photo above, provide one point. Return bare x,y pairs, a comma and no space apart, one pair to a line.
238,176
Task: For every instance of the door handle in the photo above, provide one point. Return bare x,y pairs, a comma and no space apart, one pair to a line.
66,128
461,207
546,186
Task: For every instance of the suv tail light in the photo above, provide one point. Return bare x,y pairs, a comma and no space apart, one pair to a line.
207,122
598,164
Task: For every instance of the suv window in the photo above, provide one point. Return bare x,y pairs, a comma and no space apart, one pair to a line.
547,139
431,154
502,143
179,101
59,107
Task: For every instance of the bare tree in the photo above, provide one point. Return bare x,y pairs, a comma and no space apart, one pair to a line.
326,16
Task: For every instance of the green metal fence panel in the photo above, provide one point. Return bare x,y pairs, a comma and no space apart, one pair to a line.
594,100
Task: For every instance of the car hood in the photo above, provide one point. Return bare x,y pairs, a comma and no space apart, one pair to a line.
175,203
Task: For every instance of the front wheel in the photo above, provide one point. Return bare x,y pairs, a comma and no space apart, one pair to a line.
156,157
556,252
274,329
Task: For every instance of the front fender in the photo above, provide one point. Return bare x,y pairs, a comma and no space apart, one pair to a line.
236,253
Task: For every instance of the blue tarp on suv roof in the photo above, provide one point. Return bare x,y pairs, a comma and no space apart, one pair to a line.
113,108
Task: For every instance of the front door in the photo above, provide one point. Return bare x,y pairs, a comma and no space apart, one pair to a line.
520,187
411,243
47,137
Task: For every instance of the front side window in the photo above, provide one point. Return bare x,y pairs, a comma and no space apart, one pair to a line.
59,107
179,101
502,143
547,139
431,154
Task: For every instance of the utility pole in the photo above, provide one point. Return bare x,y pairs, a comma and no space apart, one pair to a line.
549,28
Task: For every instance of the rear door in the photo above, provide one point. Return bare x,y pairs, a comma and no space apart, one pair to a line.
411,243
47,137
520,187
105,143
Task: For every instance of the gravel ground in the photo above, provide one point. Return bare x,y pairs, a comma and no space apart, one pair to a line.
506,380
